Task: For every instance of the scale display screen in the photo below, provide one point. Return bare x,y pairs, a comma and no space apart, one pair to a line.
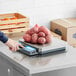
29,48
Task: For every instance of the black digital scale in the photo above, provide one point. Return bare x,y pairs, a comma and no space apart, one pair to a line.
35,49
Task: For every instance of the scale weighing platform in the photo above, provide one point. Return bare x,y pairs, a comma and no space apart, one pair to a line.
36,49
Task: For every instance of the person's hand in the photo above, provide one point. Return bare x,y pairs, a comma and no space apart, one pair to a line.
13,45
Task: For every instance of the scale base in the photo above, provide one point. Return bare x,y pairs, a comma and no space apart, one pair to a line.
55,47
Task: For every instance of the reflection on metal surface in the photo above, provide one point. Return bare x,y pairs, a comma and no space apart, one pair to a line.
18,56
43,60
40,61
9,72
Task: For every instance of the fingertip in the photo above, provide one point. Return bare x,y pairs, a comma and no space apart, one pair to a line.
13,49
21,45
17,48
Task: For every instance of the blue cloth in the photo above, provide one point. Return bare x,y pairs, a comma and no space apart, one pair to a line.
3,37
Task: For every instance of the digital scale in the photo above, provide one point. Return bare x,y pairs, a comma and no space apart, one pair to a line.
36,49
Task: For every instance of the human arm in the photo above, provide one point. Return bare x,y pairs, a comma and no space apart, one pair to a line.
12,44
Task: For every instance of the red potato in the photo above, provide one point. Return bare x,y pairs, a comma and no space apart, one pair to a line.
41,40
38,34
27,32
34,38
48,38
33,30
36,28
44,29
41,34
27,38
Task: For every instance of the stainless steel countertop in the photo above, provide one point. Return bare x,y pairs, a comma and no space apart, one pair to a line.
35,65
